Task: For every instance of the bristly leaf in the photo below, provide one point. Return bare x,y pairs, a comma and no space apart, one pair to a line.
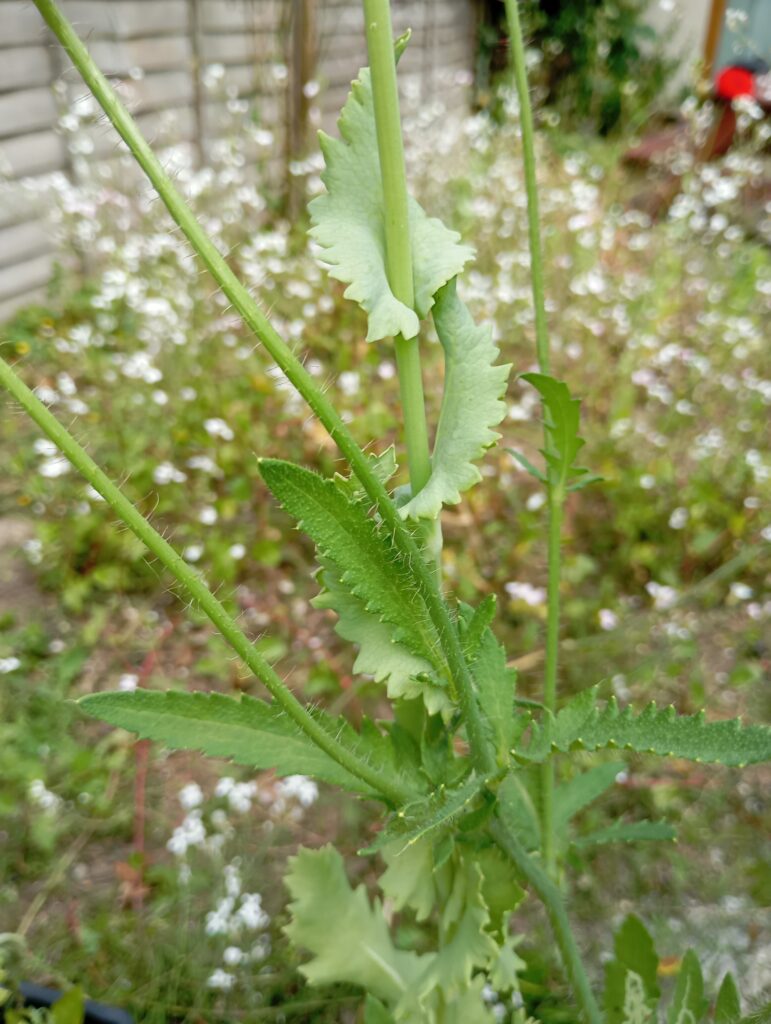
631,983
688,1003
473,622
728,1008
627,832
247,731
582,725
348,222
562,423
471,406
370,567
430,817
496,687
362,952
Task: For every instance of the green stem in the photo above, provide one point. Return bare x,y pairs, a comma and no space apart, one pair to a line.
554,561
531,186
551,897
555,499
398,249
195,587
254,318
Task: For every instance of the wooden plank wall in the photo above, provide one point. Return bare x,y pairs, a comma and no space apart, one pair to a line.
162,53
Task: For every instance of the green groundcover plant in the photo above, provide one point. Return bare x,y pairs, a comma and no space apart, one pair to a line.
463,768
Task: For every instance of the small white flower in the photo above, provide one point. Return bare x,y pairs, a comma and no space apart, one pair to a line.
240,796
300,788
9,665
741,592
349,382
221,980
608,619
526,592
250,913
42,796
663,597
190,796
224,786
647,482
208,516
218,428
535,501
193,552
233,956
678,519
166,473
237,551
45,447
128,682
58,465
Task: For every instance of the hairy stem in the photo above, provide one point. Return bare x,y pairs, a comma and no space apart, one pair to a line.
191,581
556,497
398,249
551,897
296,373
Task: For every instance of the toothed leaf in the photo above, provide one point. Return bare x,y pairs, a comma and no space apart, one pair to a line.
627,832
246,731
348,223
562,423
496,685
406,675
370,567
582,725
471,406
408,880
429,817
474,621
362,951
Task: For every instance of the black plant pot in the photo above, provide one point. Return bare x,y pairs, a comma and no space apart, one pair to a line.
96,1013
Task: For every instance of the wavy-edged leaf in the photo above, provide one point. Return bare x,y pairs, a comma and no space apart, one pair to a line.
359,948
688,1004
370,567
348,223
562,424
408,880
406,675
582,725
627,832
582,790
472,405
246,731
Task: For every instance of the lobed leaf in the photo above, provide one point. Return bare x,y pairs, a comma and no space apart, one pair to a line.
368,563
348,939
348,223
246,731
496,688
562,423
472,405
582,725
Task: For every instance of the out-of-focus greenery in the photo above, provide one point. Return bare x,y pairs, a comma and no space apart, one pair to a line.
660,329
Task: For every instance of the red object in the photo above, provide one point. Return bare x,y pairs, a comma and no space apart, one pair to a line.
734,82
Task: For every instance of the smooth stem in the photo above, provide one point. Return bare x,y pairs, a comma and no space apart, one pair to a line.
556,497
296,373
194,586
517,45
398,249
553,903
554,562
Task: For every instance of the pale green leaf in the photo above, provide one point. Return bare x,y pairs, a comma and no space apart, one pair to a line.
408,880
375,1012
518,809
582,790
348,223
406,675
728,1008
627,832
501,891
562,424
348,939
369,565
246,731
472,405
582,725
69,1008
688,1003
